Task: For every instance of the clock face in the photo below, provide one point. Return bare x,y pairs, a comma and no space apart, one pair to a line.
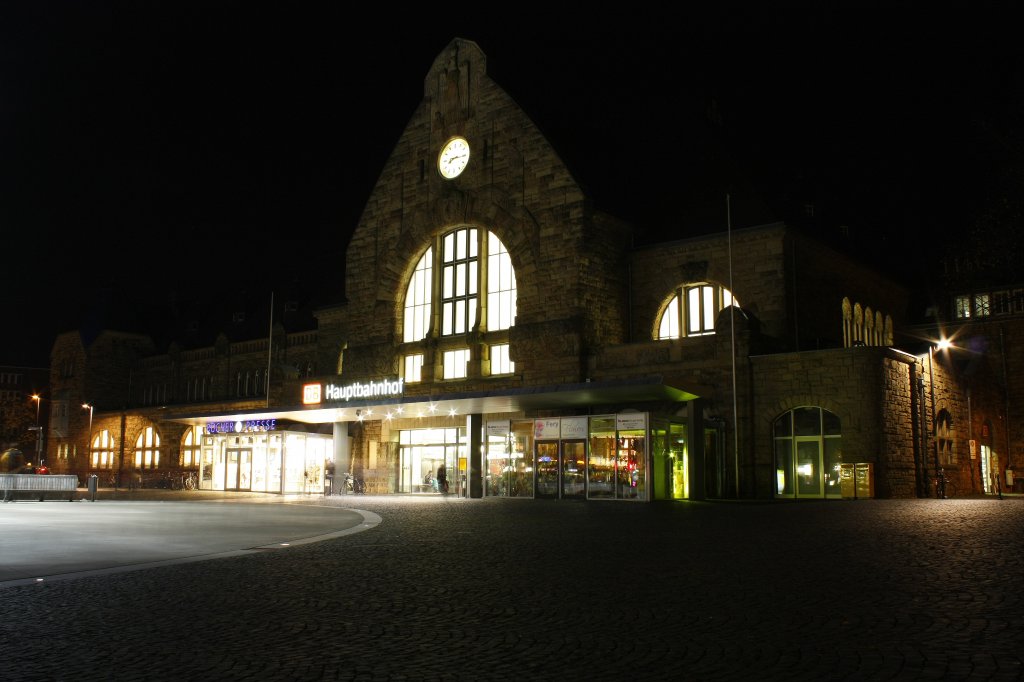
453,158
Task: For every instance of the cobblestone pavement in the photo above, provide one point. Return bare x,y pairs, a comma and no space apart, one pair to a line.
450,589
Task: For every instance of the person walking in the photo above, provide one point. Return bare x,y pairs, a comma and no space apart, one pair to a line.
442,479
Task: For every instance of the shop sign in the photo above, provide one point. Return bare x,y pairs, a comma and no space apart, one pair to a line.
546,429
974,448
240,426
499,429
574,427
631,421
314,394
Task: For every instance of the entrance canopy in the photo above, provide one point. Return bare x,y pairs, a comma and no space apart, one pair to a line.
623,392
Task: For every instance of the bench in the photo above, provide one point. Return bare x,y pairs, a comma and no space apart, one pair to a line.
37,485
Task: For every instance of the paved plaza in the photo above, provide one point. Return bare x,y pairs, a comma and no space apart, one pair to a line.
431,588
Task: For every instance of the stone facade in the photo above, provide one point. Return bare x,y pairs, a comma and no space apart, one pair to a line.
588,310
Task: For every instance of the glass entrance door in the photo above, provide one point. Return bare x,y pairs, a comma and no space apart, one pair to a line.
808,467
245,470
238,469
546,468
574,469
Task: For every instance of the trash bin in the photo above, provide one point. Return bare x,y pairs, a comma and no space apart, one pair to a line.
865,477
847,485
93,483
857,480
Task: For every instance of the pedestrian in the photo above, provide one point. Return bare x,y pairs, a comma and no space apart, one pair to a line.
442,479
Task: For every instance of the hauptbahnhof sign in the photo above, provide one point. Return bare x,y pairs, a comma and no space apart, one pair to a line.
316,394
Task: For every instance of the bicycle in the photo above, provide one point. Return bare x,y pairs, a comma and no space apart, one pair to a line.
187,481
352,485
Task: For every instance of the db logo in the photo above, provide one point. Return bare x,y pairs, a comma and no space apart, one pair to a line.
311,394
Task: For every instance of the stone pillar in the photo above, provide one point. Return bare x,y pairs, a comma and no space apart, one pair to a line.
342,454
474,454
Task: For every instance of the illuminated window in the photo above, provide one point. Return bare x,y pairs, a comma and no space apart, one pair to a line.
500,361
414,368
417,300
102,450
459,281
464,283
147,449
982,305
962,306
692,310
501,286
456,363
190,447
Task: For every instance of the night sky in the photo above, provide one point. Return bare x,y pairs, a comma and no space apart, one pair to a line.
153,152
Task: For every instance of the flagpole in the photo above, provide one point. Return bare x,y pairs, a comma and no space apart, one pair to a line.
732,329
270,346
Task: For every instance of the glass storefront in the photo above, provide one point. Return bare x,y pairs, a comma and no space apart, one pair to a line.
508,465
423,453
272,462
598,457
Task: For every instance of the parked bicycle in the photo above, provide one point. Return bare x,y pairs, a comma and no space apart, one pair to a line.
352,485
188,480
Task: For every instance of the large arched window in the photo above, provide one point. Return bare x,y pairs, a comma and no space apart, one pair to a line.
417,299
692,310
102,450
190,444
147,449
464,281
808,453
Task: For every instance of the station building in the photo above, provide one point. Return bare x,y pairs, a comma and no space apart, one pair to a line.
499,325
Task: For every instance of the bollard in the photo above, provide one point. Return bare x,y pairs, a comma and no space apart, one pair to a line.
92,487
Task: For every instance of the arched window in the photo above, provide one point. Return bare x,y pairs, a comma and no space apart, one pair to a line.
475,287
417,299
103,450
693,310
147,449
808,453
459,281
190,444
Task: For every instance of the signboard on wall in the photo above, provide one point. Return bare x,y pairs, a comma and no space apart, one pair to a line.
547,429
499,429
574,427
631,421
974,448
247,426
314,394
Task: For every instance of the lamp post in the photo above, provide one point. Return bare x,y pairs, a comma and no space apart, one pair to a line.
88,436
940,475
39,431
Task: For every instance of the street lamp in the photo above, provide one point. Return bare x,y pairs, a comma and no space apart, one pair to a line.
940,475
87,406
39,431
